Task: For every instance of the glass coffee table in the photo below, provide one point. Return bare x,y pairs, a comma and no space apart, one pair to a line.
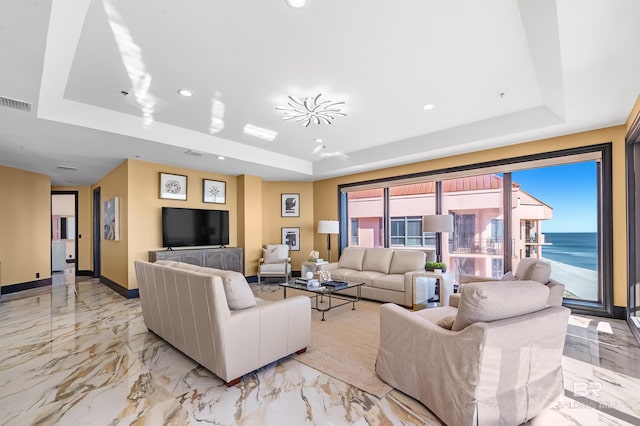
331,292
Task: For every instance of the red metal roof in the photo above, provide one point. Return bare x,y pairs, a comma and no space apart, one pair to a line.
471,183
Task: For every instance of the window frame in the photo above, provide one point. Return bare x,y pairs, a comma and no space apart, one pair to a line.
600,152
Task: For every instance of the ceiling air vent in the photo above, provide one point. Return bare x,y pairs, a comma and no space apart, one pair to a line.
15,104
194,153
70,168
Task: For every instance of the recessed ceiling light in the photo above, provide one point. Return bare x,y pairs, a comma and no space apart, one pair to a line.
296,3
185,92
220,157
428,107
318,140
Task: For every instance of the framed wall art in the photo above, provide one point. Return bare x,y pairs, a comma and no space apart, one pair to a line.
214,191
173,187
290,205
291,237
112,219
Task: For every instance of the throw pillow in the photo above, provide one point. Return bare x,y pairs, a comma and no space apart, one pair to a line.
540,272
508,277
236,288
446,322
270,257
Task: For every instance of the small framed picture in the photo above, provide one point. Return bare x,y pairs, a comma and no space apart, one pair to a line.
173,187
291,237
214,191
290,205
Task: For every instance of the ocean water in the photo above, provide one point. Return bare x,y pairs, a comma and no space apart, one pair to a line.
573,248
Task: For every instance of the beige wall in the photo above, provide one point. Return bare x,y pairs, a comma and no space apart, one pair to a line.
144,207
25,226
114,254
84,224
326,200
273,222
250,192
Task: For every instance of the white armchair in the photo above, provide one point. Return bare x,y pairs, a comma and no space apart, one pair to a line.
275,262
528,269
495,360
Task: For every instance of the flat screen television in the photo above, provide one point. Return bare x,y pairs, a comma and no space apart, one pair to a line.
183,227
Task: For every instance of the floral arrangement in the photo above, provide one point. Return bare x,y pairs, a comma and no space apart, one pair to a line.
314,255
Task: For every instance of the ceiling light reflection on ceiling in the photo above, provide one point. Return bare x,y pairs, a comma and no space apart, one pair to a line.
318,149
428,107
260,132
311,110
131,55
297,4
185,92
217,116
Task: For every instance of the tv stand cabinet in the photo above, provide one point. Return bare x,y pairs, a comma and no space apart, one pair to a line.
227,258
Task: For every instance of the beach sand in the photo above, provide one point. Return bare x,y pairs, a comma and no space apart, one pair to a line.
580,283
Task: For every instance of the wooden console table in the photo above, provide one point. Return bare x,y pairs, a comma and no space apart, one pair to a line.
228,258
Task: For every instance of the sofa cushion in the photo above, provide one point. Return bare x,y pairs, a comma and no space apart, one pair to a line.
393,282
365,277
406,261
495,300
351,258
377,260
341,274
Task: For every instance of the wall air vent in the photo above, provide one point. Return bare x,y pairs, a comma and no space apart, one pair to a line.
15,104
70,168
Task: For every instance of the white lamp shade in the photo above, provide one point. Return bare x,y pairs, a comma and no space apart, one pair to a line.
328,227
437,223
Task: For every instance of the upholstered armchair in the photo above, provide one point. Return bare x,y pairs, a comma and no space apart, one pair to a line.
275,262
494,360
528,268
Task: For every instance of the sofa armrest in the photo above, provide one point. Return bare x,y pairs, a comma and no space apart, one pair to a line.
326,266
258,336
414,350
454,300
556,293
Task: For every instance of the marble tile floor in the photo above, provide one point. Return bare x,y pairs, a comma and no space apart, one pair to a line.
77,353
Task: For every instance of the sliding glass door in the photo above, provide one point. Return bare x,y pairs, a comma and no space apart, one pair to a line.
554,206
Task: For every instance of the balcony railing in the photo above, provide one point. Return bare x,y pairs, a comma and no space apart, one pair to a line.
473,245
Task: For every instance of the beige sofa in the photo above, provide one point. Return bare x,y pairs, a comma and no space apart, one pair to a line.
496,360
388,274
212,316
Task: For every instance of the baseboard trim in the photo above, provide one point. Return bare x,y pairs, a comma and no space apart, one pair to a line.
25,286
126,293
620,312
84,273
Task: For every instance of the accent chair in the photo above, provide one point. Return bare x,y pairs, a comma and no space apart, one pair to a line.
494,360
275,262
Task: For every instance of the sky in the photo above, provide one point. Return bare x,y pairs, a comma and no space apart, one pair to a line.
570,189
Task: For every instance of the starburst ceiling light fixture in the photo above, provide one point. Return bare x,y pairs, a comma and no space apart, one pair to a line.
311,110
